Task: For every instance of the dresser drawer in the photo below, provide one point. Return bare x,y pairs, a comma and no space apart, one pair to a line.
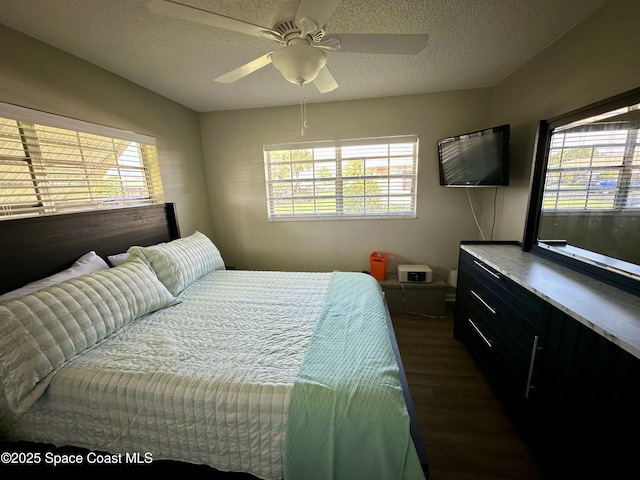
508,370
514,353
499,283
516,326
503,293
502,322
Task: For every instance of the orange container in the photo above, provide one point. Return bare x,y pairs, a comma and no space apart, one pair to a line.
378,262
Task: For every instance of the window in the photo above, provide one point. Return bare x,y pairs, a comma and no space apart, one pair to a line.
594,164
51,164
361,178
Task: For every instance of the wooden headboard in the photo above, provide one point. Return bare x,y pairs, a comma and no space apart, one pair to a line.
36,247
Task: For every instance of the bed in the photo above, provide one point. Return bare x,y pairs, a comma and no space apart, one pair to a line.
160,352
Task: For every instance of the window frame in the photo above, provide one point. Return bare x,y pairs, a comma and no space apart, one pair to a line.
342,180
620,274
73,165
610,168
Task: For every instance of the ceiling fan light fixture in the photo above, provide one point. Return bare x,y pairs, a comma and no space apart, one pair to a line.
299,64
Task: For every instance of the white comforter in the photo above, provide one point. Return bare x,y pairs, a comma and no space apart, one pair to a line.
205,381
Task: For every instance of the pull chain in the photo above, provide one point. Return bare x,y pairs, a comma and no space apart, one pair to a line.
303,110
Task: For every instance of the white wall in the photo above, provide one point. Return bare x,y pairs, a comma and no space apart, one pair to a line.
35,75
224,196
597,59
232,146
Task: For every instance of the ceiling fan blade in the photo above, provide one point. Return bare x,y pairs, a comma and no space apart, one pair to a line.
330,44
246,69
313,14
173,9
325,82
381,43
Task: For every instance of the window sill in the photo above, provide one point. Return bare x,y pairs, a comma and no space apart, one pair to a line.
621,267
320,218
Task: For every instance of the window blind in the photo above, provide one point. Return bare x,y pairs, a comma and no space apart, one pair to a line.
52,164
595,165
359,178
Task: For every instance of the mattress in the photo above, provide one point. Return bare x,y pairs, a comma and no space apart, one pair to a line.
205,381
278,374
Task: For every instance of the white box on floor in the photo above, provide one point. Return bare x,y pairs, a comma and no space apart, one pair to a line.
415,273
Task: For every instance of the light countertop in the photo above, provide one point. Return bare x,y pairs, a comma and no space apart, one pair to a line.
613,313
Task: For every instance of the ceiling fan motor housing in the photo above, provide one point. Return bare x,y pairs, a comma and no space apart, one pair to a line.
283,21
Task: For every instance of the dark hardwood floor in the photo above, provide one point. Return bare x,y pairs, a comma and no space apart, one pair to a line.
466,432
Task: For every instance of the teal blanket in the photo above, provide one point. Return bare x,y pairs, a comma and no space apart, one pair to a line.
347,415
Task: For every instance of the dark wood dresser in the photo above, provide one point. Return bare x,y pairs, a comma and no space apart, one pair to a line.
561,350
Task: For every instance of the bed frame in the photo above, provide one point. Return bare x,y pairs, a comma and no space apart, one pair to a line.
36,247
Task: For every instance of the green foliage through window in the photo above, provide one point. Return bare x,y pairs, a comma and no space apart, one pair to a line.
355,178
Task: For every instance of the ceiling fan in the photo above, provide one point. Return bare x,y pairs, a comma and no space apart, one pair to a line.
298,28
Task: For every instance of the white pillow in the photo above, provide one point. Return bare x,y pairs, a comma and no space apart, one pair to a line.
87,263
42,331
118,259
180,263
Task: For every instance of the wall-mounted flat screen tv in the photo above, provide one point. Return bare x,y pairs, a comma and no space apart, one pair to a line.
476,159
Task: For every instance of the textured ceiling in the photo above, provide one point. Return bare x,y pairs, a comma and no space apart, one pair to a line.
472,43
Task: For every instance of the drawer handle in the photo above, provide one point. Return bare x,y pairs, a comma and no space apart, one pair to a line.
475,327
534,350
488,307
487,270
